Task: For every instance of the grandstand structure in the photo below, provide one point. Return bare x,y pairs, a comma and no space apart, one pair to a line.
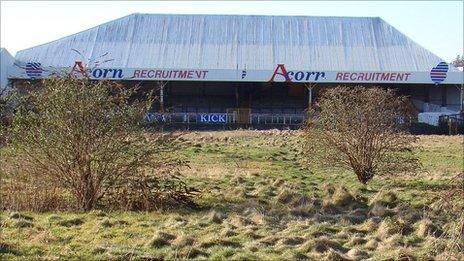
246,69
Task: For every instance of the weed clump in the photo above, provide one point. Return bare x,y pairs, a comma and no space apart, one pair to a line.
356,240
106,222
427,228
98,213
7,249
333,255
336,199
264,192
240,222
293,241
370,225
387,198
183,241
215,240
191,252
257,217
98,250
323,244
160,239
250,233
407,213
228,232
217,217
23,223
238,180
356,254
76,221
372,244
285,196
278,182
54,218
269,240
301,211
380,210
17,215
342,197
404,254
238,193
389,227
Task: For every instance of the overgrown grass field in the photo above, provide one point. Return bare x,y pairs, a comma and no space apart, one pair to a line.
258,201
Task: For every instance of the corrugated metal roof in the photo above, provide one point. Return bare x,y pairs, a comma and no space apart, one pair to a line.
239,42
6,60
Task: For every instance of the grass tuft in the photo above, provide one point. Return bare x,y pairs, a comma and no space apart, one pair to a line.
387,198
76,221
285,196
160,239
389,227
333,255
427,228
342,197
217,217
23,223
17,215
380,210
183,241
323,244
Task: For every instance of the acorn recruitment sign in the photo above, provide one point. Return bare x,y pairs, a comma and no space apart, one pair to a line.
280,73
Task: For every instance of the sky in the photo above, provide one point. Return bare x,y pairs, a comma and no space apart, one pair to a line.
436,25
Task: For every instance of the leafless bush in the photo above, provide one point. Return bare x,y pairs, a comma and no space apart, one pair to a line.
362,129
83,137
6,111
149,191
23,192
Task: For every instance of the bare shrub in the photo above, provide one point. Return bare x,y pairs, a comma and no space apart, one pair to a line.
152,189
363,129
87,138
23,192
6,111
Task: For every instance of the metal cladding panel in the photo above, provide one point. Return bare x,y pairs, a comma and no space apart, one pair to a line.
6,61
239,42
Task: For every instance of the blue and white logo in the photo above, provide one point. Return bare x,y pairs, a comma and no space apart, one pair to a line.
34,69
439,72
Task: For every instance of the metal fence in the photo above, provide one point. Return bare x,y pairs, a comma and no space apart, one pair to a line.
225,118
452,124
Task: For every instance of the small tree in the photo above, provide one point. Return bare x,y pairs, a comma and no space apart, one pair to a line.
362,129
86,136
459,61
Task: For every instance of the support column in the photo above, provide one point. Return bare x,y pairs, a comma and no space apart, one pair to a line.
310,87
461,100
236,97
443,96
161,86
427,94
